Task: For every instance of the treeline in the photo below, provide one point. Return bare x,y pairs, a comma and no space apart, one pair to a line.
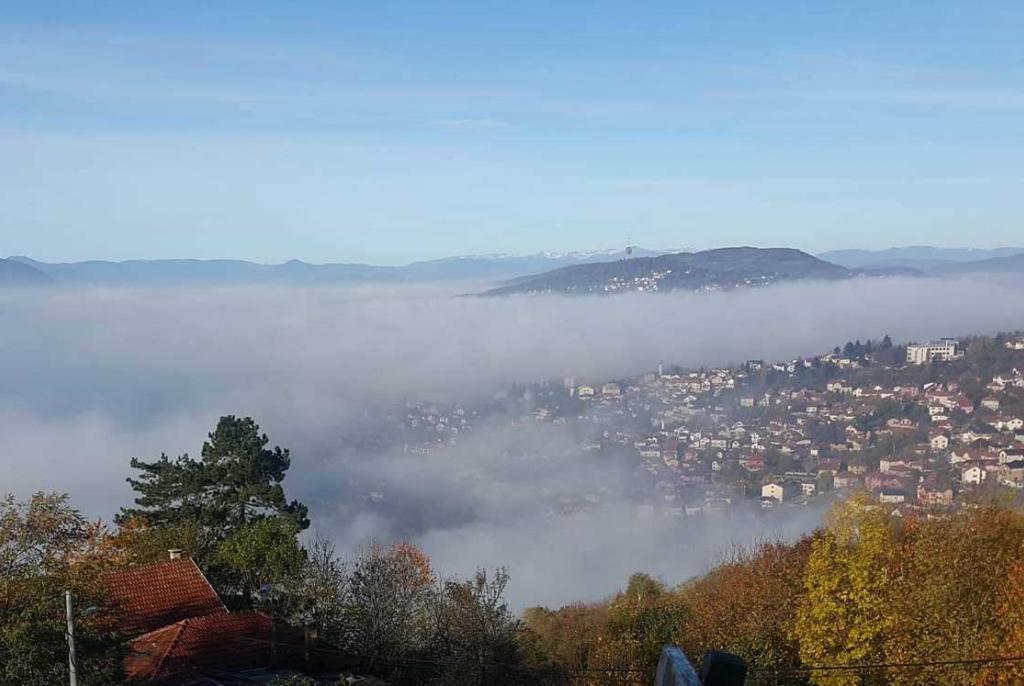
882,352
847,605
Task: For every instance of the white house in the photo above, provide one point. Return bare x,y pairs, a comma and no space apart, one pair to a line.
973,474
1011,455
776,491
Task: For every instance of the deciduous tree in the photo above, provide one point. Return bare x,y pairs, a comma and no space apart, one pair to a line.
47,548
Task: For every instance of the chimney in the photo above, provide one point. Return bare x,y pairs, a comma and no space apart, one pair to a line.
174,553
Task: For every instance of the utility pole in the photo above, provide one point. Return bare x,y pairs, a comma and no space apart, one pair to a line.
72,658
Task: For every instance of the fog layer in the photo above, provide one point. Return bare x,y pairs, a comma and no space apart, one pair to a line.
89,379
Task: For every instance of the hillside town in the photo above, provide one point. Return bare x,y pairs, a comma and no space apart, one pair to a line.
923,426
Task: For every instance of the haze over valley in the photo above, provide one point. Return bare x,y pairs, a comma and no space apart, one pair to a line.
94,376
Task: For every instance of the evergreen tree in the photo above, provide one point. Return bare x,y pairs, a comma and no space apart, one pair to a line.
236,482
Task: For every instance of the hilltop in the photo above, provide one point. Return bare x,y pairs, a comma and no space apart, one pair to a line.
720,269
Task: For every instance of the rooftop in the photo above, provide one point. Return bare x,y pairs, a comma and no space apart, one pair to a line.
147,597
184,652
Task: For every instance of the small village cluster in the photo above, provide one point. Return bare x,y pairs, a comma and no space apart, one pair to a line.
923,426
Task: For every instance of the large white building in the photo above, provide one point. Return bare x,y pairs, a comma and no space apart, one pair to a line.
923,353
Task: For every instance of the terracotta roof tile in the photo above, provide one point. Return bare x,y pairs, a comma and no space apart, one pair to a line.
187,650
148,597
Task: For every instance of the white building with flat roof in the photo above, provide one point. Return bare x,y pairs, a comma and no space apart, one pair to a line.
943,350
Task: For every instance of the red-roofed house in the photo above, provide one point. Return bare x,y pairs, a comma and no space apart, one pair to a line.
148,597
186,652
181,633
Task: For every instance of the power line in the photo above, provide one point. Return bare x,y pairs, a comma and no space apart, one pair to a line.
876,666
829,671
431,662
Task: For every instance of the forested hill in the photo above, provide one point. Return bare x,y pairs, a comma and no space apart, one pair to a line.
720,269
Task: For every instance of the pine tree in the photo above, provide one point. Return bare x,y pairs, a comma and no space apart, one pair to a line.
236,482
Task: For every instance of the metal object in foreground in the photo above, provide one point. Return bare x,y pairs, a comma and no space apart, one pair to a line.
674,669
72,658
720,669
723,669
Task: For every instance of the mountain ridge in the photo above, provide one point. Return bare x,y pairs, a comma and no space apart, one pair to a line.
505,271
925,258
141,272
16,273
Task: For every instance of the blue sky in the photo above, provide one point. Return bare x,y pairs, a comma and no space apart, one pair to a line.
387,132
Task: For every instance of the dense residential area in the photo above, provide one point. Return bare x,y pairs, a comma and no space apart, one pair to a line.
928,425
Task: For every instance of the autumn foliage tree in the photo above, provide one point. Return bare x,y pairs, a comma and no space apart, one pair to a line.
47,548
952,596
472,633
889,591
569,639
388,590
848,604
641,620
1011,618
745,606
844,614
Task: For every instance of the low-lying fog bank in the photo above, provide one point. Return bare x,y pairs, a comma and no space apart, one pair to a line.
91,378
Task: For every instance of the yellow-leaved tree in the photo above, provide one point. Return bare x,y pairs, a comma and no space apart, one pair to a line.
843,617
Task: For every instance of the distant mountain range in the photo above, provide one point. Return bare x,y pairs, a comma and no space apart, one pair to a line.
1012,264
294,272
721,269
927,259
577,272
15,273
